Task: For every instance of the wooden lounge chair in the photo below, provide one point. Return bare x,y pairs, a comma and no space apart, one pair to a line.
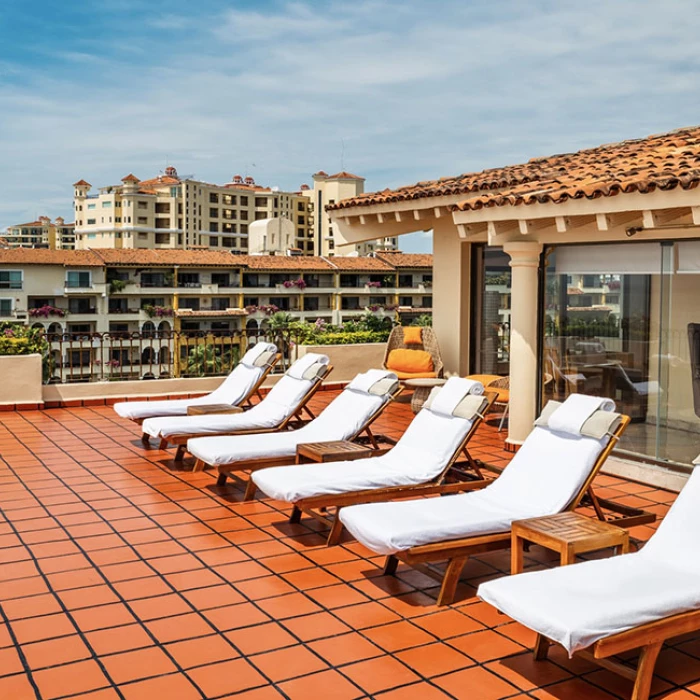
421,461
218,425
237,389
601,608
345,418
491,532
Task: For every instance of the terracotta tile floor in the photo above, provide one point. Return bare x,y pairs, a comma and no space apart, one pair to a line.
122,576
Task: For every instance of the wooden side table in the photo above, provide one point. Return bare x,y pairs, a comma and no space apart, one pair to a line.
421,390
206,409
567,533
336,451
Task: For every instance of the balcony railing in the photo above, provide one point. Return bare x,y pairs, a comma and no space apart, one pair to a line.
159,354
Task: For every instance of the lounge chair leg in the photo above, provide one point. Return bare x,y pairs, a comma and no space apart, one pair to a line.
450,580
336,531
541,649
198,465
180,453
221,481
390,565
295,517
250,489
146,439
645,671
163,444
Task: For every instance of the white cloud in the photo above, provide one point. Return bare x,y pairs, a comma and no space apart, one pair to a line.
416,90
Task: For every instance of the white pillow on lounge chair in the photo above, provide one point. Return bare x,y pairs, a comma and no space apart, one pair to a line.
543,477
279,403
421,455
580,604
341,419
232,390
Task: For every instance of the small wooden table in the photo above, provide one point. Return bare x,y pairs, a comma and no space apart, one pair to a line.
567,533
336,451
421,390
205,409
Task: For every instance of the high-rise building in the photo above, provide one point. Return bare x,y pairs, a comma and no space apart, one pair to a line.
329,189
173,212
42,233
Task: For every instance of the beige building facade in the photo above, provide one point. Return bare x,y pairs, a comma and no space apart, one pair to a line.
42,233
573,273
169,212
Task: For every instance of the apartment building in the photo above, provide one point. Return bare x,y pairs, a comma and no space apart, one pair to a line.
170,212
327,239
42,233
144,309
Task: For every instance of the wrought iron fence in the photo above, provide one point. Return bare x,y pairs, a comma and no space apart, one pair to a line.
121,355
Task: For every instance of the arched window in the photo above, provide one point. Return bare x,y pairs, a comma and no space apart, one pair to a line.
148,356
148,330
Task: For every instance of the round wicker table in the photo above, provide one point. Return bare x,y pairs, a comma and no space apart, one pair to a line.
421,390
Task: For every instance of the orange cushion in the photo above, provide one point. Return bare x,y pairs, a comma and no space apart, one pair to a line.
412,361
415,375
412,335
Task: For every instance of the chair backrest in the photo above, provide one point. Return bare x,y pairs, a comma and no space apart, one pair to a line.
551,471
429,344
347,415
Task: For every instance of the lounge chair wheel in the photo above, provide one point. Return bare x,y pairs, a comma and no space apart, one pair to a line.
221,481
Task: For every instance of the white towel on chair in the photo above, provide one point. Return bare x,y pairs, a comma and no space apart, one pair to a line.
366,380
454,390
255,352
576,410
303,363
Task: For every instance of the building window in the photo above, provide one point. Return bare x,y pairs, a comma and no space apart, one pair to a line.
220,303
260,202
213,226
11,279
188,279
300,206
405,301
91,222
91,206
214,241
405,280
427,302
228,242
162,238
6,307
244,201
222,279
244,228
106,205
142,205
213,213
213,198
78,279
350,303
139,220
189,303
259,215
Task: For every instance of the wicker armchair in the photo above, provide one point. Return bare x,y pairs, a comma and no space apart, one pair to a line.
429,344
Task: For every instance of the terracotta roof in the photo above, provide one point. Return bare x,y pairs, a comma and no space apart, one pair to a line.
663,161
344,175
158,181
285,262
406,259
207,313
30,223
44,256
82,183
148,257
130,178
360,264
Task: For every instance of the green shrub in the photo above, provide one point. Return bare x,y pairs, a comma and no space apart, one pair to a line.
348,338
17,339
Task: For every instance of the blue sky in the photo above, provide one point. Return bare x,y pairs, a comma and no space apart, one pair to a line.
414,90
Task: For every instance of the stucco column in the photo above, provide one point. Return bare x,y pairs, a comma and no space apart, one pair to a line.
524,262
451,295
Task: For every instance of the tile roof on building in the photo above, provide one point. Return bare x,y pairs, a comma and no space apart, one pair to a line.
130,178
45,256
662,161
406,259
285,262
166,256
30,223
359,264
159,181
82,183
344,175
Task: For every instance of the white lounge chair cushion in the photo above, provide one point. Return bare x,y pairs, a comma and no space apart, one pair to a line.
421,454
281,402
341,419
543,478
580,604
